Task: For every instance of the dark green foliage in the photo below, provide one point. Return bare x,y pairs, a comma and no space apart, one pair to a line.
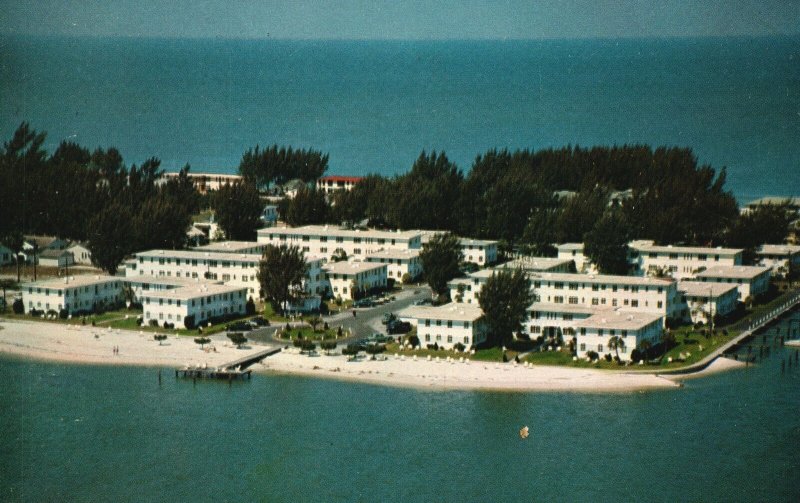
308,207
607,243
188,322
250,307
440,259
280,164
202,341
110,237
376,349
328,345
504,300
18,307
762,224
160,338
237,338
280,274
238,209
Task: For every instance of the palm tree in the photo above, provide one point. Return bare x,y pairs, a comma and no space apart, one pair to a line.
615,342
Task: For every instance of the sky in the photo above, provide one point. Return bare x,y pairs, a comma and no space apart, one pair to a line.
400,19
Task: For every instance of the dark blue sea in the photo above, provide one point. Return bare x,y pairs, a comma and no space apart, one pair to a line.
373,106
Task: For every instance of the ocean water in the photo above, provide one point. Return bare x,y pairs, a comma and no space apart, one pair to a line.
87,433
373,106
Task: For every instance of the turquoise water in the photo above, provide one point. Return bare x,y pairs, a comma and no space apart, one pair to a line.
84,433
374,105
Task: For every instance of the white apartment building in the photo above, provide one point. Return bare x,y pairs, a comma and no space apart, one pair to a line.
679,262
702,301
447,325
479,251
751,281
232,269
327,240
73,293
574,252
248,247
201,302
629,293
203,182
780,258
398,262
539,264
345,276
555,321
595,332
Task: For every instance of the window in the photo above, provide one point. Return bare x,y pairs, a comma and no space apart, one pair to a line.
536,329
427,323
427,337
660,304
449,338
599,348
595,301
583,331
573,300
449,324
634,303
583,346
466,324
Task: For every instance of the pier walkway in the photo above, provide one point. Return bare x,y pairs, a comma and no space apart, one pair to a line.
749,327
236,369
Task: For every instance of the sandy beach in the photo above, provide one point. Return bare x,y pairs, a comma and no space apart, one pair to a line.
94,345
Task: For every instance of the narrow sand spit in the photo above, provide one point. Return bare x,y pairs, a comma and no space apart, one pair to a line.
94,345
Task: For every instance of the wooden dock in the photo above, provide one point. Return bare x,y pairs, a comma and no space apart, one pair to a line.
237,369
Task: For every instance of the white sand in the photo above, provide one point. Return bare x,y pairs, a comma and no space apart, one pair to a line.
720,364
455,375
78,344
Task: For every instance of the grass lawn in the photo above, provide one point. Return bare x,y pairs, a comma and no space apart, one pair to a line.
203,216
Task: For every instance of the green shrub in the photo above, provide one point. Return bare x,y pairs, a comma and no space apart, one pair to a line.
18,307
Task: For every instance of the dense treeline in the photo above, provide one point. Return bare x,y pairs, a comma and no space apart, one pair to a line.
90,196
534,199
280,164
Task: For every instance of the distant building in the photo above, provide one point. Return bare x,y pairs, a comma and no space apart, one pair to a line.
6,255
41,244
574,252
56,258
678,262
447,325
333,183
477,251
555,321
780,258
751,281
80,253
270,215
329,240
204,182
248,247
85,293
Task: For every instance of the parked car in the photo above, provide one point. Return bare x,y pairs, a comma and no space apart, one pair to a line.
238,326
387,318
259,321
398,327
367,302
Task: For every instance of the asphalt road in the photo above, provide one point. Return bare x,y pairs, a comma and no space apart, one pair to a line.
366,321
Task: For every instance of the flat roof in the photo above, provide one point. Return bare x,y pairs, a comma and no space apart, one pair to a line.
193,291
535,263
704,289
230,246
346,267
549,307
599,279
476,242
570,246
648,246
733,271
74,281
163,280
452,311
785,250
340,178
395,254
619,320
332,230
194,254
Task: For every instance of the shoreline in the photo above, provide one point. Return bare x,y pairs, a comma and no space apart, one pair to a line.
95,346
